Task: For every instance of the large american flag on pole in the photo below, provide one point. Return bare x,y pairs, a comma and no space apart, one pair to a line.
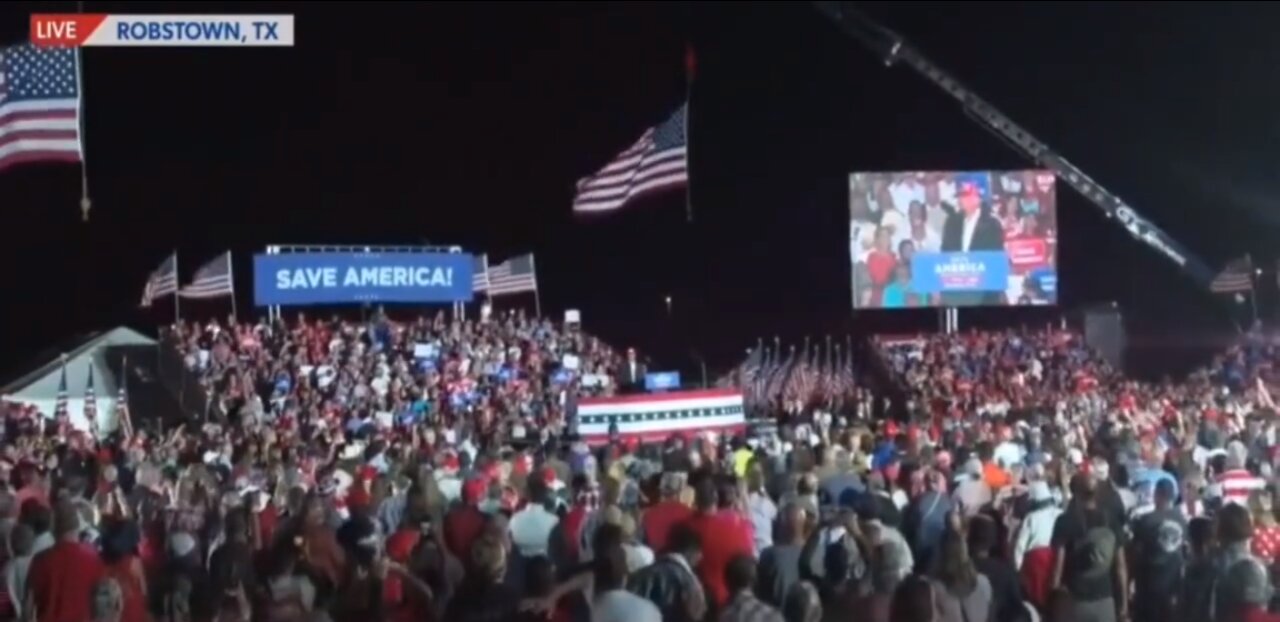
162,282
39,105
212,280
657,161
513,276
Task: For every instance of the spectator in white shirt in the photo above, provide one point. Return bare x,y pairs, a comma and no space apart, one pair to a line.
531,527
895,220
905,191
613,603
638,555
923,234
1036,530
939,202
21,541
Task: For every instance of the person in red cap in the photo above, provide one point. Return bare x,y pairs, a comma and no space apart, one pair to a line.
465,522
405,604
971,228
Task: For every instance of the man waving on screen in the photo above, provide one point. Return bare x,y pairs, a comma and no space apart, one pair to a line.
972,228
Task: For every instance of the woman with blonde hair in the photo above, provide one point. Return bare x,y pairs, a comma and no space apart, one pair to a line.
638,555
1266,533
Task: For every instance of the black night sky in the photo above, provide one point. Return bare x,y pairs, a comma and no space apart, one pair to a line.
468,123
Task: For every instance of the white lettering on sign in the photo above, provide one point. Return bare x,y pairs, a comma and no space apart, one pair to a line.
961,265
398,276
377,276
307,278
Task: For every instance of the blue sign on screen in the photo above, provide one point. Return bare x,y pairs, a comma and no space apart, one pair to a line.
344,278
662,381
979,271
1046,279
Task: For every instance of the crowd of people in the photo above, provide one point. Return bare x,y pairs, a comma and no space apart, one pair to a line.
427,470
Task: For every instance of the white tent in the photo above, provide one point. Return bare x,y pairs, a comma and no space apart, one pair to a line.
39,387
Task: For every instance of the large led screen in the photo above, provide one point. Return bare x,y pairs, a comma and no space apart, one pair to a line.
953,239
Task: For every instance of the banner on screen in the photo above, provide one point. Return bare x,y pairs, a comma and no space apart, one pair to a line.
981,271
343,278
953,239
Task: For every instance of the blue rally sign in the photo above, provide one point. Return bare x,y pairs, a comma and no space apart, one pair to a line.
978,271
344,278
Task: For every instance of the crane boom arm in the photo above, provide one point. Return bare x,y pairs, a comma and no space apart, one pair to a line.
892,48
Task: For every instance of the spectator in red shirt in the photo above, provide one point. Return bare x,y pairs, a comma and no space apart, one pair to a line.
657,521
61,579
722,539
585,502
880,264
464,524
31,485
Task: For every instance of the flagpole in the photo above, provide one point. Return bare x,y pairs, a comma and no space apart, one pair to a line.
1253,292
125,426
488,285
231,277
537,297
85,203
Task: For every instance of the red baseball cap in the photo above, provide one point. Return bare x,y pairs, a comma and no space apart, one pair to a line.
474,490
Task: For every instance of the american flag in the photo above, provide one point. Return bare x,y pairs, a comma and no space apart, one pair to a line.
61,412
513,276
1235,278
846,380
744,376
827,385
655,162
91,402
803,382
39,105
122,402
480,275
212,280
163,281
780,376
